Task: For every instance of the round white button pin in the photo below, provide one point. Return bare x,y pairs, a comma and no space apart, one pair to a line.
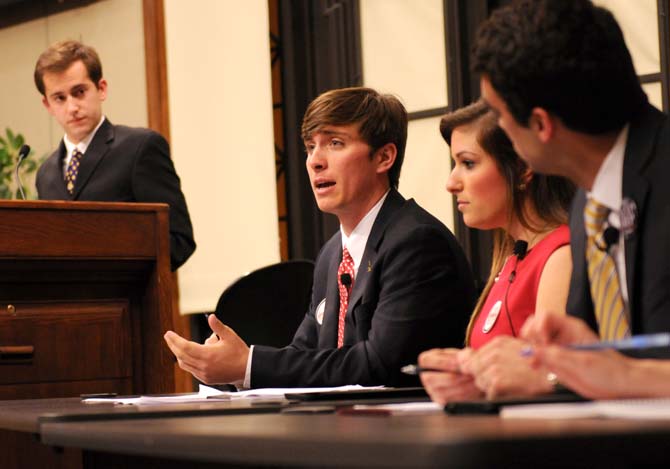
492,317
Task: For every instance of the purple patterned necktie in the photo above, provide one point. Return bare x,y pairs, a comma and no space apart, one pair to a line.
72,170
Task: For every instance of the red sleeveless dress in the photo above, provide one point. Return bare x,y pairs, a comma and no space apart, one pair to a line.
521,293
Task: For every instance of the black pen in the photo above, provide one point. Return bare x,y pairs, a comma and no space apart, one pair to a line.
207,315
415,370
98,395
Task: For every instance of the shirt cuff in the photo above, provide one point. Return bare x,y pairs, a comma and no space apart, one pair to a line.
247,374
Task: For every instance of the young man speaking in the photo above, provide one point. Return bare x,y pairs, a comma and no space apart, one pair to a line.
391,283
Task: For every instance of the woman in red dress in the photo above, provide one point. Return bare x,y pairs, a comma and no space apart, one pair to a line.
530,271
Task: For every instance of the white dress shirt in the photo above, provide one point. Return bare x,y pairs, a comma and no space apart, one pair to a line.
81,146
608,190
358,238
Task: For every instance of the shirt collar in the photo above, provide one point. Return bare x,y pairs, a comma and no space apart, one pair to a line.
83,145
608,184
358,238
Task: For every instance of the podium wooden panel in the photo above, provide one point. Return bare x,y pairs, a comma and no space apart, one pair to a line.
85,297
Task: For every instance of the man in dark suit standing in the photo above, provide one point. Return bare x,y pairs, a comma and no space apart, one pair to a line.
392,283
562,81
99,161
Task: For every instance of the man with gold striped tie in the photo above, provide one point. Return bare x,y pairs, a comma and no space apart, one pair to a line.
562,81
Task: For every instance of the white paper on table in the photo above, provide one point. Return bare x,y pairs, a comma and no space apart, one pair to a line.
278,393
656,409
205,393
201,396
405,408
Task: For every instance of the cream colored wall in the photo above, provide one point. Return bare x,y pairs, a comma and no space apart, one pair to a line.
655,93
403,54
222,140
639,22
221,118
122,54
425,177
403,50
220,103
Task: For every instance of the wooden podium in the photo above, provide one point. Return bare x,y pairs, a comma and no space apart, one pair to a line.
85,298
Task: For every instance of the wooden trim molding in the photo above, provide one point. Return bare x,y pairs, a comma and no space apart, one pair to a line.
158,114
663,6
426,113
158,111
651,78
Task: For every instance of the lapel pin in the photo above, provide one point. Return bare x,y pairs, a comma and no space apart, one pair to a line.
628,216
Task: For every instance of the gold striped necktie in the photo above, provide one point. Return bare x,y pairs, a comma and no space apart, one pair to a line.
605,288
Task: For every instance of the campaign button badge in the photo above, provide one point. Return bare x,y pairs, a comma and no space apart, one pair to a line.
319,311
492,317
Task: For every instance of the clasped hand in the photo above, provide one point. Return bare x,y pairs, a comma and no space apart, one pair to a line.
497,369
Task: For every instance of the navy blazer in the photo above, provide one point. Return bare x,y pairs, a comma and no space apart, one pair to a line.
413,291
646,182
124,164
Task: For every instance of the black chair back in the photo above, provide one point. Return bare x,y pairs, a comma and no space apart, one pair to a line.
266,306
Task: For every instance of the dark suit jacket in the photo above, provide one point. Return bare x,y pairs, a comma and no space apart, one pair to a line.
124,164
413,291
646,181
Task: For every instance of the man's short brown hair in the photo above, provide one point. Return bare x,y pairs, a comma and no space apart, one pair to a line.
382,119
59,56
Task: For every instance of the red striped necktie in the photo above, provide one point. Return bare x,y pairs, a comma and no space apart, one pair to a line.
345,283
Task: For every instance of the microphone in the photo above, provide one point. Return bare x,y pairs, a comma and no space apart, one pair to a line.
346,280
23,154
610,237
520,249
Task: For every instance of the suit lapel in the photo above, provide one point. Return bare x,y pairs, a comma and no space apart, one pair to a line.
639,147
392,203
59,187
95,152
578,232
328,335
579,298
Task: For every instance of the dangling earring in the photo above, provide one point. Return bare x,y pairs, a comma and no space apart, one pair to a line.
522,187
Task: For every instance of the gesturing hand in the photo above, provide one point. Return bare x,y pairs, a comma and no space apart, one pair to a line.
221,359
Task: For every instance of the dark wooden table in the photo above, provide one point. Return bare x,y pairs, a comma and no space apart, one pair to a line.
21,423
333,440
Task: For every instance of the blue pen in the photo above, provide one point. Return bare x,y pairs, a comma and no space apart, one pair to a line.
632,343
636,342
